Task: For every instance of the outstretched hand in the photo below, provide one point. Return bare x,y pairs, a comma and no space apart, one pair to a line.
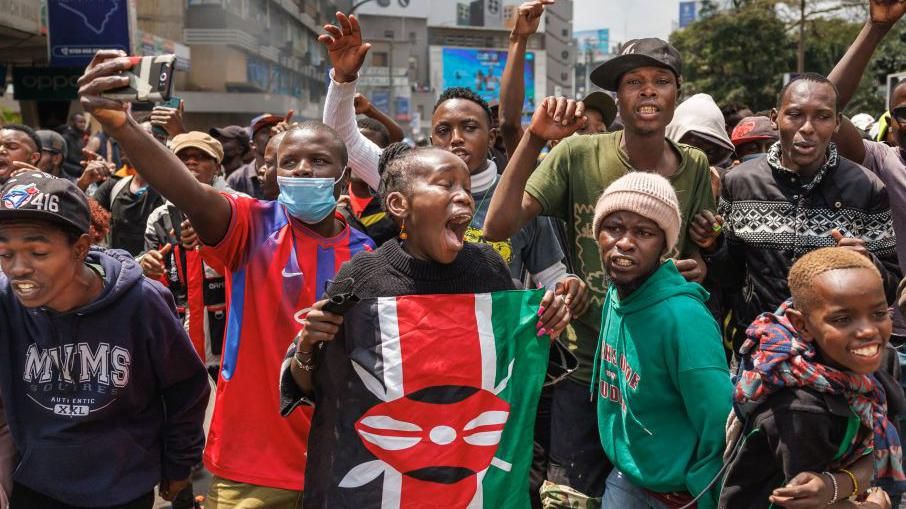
806,490
528,17
886,12
105,73
557,117
575,294
345,47
169,119
705,228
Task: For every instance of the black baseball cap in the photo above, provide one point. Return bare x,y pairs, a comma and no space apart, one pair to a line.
39,195
230,132
637,53
51,141
603,103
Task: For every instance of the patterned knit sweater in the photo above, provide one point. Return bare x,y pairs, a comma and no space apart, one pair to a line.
772,217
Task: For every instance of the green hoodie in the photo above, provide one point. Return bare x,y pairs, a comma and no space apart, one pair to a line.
664,386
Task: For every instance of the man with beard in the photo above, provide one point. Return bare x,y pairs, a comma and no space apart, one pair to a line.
53,152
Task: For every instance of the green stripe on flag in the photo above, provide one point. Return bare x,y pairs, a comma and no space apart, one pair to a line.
513,316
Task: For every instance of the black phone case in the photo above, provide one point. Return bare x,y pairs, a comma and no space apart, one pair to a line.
340,304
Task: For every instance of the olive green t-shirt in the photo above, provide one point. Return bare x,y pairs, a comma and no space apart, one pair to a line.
568,183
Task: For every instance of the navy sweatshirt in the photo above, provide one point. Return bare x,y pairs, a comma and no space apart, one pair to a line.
103,401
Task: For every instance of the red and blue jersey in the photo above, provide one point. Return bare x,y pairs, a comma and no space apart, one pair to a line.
275,267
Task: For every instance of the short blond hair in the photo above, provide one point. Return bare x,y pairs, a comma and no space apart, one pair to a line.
813,264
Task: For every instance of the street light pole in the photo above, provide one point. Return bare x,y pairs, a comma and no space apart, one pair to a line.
390,35
357,5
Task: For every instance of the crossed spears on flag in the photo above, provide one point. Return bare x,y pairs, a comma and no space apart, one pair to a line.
445,455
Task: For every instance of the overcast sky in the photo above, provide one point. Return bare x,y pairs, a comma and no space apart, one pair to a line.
627,19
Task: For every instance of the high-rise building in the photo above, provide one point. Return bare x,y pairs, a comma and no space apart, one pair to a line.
253,56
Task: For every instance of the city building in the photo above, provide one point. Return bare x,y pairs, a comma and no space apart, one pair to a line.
395,77
236,58
425,46
255,56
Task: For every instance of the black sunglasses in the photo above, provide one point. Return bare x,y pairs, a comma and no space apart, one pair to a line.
899,114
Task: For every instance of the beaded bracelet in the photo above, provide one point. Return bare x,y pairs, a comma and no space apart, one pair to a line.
836,487
304,360
855,482
306,366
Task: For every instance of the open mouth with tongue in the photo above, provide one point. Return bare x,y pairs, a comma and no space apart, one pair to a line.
455,229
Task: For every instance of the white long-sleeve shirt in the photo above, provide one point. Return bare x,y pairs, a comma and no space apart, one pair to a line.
339,113
364,155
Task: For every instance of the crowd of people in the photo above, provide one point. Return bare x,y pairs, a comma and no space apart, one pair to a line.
719,294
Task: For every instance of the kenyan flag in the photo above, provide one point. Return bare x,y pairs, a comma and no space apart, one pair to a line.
448,388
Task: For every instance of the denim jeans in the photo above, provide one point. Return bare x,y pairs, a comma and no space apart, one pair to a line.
622,494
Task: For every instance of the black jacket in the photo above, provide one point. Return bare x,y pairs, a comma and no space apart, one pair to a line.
75,142
795,430
771,219
105,400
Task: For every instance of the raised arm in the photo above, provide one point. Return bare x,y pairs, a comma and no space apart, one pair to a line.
347,54
364,107
206,208
511,207
848,72
512,83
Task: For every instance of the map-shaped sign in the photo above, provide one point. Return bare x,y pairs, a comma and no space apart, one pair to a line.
77,29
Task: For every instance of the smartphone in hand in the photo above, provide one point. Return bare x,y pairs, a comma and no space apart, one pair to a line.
150,80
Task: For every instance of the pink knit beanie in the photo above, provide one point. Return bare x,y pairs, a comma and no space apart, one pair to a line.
648,195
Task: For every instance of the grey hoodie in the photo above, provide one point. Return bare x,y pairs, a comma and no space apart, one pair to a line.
699,114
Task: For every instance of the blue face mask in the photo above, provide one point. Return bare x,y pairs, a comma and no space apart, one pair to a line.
309,200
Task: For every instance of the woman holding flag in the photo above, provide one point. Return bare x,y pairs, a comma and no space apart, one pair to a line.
429,399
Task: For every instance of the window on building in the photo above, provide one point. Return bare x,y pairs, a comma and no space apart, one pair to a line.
379,59
565,32
565,55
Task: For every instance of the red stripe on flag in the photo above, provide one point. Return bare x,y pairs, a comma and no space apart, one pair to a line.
439,342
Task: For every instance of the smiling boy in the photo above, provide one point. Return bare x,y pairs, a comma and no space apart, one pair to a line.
813,371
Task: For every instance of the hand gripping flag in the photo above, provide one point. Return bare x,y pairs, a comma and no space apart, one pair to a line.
451,386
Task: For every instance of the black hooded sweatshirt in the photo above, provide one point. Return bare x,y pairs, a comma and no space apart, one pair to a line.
106,400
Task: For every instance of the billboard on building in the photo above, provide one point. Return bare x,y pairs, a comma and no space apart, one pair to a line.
46,83
686,13
77,29
592,45
482,70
